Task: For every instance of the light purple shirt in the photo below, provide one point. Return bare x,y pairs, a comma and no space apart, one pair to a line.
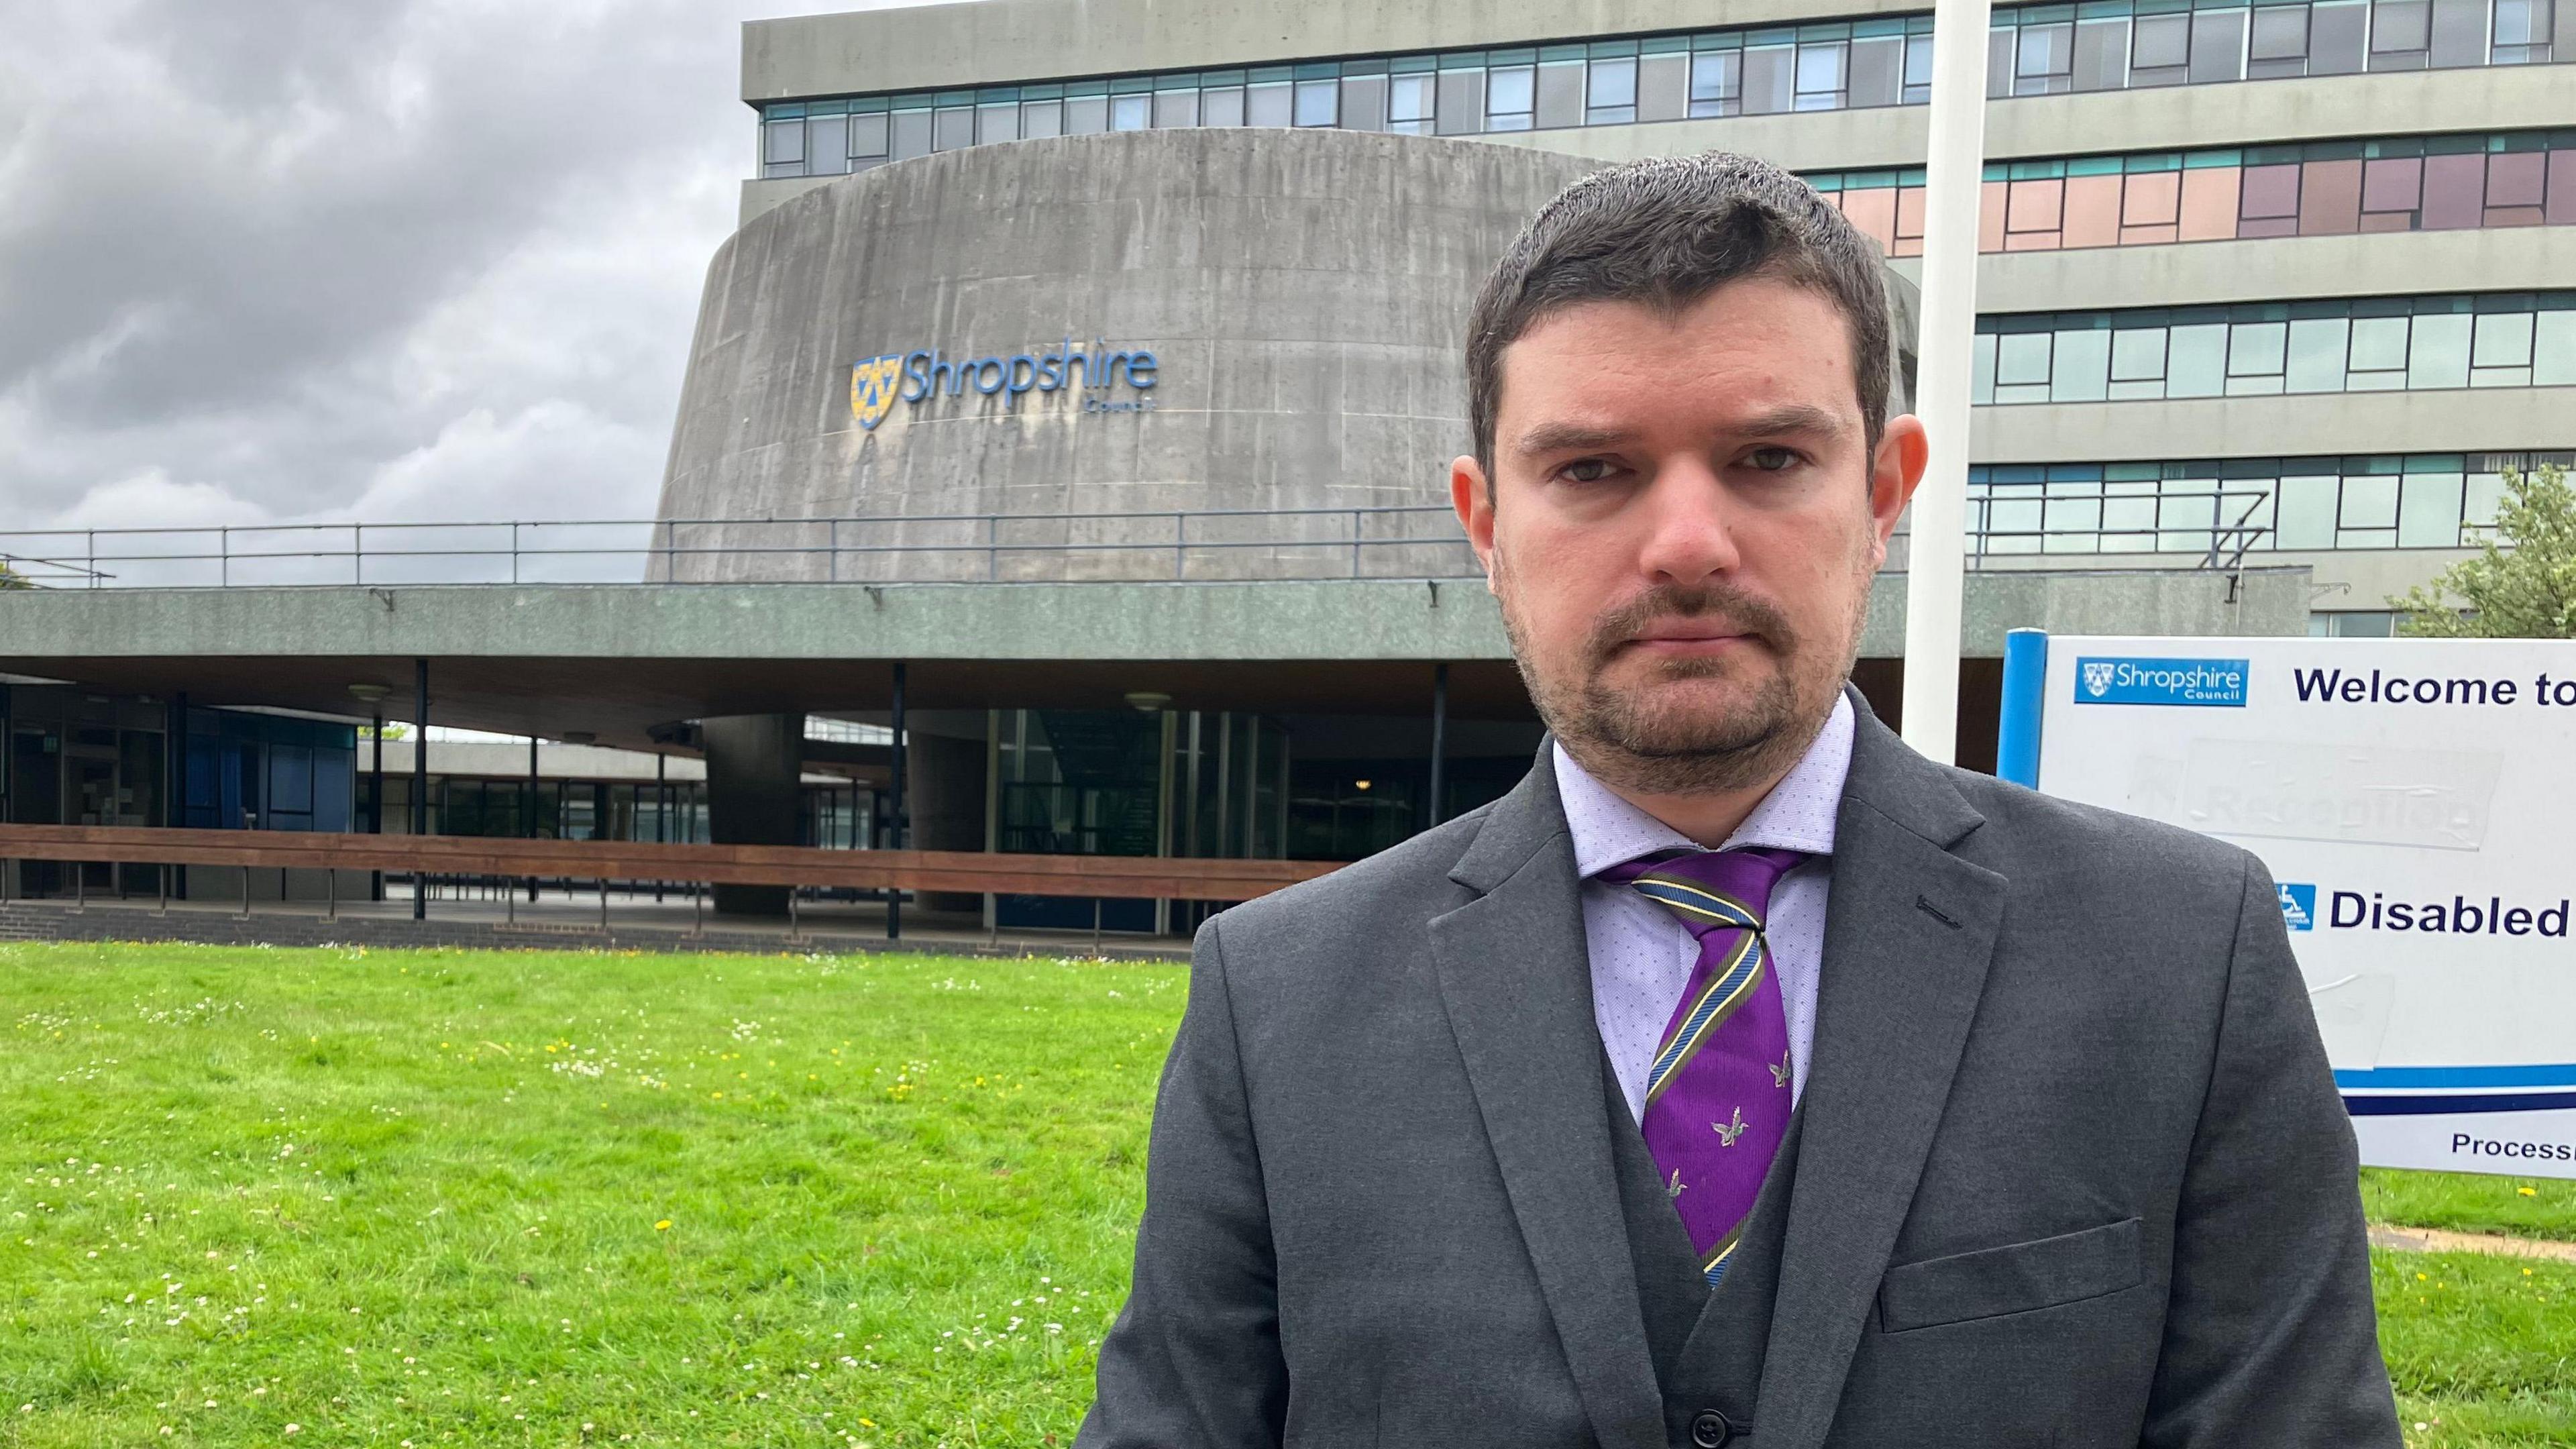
1642,954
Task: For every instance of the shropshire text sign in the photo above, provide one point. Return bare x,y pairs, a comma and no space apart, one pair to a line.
2412,799
1094,369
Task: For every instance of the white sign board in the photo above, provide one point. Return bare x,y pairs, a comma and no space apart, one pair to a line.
2416,801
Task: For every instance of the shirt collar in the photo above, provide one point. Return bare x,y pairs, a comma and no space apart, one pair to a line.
1798,814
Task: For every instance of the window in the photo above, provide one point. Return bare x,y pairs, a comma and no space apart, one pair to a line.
1918,70
1363,102
1770,62
2500,350
1319,102
1717,84
827,145
1511,97
2428,509
1270,100
782,147
2437,353
1176,108
2522,32
1086,115
1131,113
2256,352
2101,52
2335,36
1560,87
956,128
912,131
2022,367
2138,363
997,122
2353,624
2217,46
2278,45
2459,33
1610,93
2081,368
2196,360
1821,76
2316,353
2159,50
2400,33
2044,64
1408,104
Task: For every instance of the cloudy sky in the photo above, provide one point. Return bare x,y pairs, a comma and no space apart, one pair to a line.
276,260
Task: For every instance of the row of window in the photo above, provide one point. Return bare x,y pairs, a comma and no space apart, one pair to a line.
2315,188
2227,507
2096,45
2057,49
2366,344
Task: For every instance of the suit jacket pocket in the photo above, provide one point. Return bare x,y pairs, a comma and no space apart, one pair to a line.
2014,1279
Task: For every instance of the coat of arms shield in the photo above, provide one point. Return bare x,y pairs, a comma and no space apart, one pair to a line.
874,385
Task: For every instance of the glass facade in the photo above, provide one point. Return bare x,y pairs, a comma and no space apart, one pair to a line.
2100,45
2361,344
2220,508
2316,188
2111,45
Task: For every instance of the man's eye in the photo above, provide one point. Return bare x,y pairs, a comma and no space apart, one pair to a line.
1586,470
1772,460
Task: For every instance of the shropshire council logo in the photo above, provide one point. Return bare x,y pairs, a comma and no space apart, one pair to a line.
874,385
2218,682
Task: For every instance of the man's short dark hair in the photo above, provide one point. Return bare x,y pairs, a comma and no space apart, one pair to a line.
1667,232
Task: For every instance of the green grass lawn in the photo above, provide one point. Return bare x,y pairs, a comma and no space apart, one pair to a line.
552,1198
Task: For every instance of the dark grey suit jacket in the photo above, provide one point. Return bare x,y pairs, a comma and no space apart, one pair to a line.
2073,1171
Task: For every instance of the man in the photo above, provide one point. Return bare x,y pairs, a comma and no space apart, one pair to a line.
1742,1075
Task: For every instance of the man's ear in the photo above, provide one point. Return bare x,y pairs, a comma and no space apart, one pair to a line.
1472,495
1903,450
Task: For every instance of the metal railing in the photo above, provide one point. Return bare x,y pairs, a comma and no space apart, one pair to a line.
1172,545
1397,541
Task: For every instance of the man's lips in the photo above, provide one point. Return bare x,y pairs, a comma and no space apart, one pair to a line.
1689,637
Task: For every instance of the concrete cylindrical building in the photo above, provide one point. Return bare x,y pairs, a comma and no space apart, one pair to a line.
1279,312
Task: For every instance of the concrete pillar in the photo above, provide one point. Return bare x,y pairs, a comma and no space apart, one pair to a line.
945,778
752,768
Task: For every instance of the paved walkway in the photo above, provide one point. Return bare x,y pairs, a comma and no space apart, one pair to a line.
2435,1240
576,922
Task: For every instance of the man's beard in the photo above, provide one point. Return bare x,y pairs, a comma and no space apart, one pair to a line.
1634,740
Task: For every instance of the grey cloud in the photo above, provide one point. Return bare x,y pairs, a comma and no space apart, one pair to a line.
304,258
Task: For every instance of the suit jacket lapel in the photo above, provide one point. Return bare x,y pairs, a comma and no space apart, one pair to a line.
1909,929
1515,979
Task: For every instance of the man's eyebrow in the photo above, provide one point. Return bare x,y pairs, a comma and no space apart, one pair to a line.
1570,437
1792,418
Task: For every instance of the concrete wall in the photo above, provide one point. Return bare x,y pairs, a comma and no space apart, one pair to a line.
539,628
1303,293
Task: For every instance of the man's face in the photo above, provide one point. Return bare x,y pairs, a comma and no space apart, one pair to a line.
1682,524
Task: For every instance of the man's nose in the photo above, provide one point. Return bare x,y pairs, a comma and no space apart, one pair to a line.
1687,532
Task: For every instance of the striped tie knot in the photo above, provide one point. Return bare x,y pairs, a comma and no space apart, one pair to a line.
1712,890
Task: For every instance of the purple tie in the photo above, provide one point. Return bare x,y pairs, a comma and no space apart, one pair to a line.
1718,1094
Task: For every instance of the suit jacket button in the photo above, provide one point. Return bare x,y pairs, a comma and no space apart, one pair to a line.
1709,1429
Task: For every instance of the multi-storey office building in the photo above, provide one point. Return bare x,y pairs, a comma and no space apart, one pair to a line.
2210,223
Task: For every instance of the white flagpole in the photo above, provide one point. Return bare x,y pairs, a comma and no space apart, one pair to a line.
1944,354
